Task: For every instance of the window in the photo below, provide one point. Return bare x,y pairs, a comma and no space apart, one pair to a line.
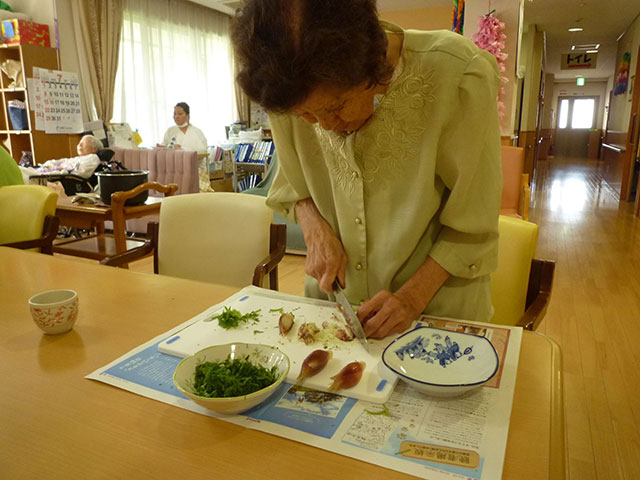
170,52
583,109
580,111
564,113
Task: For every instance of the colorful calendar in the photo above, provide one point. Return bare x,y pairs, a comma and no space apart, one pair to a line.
57,101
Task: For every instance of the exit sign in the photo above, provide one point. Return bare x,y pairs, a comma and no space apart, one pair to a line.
574,61
580,81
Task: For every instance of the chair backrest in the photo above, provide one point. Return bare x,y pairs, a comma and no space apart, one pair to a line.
10,173
214,237
512,171
23,209
509,283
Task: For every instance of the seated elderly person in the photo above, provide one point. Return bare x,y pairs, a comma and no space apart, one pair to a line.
90,150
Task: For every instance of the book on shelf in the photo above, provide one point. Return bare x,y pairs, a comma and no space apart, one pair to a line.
249,182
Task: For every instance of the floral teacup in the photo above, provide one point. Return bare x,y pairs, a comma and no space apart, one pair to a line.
55,311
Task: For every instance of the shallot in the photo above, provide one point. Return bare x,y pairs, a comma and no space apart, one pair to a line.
348,377
285,323
313,364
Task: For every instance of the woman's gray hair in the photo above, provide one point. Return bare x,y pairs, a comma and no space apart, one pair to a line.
95,141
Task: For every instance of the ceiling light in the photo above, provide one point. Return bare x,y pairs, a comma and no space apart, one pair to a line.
575,29
592,51
586,46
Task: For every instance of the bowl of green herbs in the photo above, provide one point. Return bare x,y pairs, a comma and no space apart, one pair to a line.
231,378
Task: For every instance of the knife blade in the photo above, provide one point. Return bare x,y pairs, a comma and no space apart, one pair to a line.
349,315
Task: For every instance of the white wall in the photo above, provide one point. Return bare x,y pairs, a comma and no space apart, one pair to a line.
621,104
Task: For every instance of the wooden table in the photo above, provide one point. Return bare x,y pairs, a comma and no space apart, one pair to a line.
89,217
56,424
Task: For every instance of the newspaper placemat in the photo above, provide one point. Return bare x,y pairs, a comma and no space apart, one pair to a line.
440,439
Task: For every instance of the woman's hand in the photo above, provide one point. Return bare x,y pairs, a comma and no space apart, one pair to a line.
387,313
326,258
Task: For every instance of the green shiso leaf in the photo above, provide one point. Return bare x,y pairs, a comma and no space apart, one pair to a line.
232,378
230,318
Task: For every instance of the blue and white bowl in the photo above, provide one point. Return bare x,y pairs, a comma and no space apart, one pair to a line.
440,362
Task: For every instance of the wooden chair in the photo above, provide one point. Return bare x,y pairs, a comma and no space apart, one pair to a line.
521,286
27,217
220,237
515,184
102,245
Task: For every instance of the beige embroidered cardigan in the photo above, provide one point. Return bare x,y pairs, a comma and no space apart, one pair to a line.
421,178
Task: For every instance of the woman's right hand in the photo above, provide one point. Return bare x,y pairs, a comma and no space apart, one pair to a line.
326,258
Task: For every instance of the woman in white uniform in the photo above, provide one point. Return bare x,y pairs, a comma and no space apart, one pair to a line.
183,135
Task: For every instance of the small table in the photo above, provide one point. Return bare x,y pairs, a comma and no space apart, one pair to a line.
78,427
93,216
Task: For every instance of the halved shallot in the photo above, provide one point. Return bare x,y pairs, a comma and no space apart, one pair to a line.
313,364
348,377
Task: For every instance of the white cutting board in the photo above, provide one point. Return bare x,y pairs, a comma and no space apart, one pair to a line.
377,381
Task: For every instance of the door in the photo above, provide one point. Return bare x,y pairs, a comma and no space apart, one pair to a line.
576,116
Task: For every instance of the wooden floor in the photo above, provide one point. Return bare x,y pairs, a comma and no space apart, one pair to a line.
594,313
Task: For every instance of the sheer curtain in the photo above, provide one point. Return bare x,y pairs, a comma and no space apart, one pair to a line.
174,51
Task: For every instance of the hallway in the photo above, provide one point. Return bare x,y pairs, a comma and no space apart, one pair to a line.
594,314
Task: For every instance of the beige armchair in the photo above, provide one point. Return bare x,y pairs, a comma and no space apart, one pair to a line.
225,238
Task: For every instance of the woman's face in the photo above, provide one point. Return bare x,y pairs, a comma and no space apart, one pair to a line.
85,147
338,110
180,116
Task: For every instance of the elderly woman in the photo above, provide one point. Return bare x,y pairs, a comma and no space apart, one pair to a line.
389,149
184,135
89,144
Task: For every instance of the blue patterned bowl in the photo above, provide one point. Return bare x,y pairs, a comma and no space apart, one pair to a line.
441,363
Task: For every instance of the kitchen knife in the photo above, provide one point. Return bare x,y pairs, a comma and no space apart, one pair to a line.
350,315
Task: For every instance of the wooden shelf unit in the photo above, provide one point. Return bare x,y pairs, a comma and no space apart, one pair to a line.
42,146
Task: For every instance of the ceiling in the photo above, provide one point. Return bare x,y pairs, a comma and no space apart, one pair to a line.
603,21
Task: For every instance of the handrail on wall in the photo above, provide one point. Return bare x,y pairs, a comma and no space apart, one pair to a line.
615,148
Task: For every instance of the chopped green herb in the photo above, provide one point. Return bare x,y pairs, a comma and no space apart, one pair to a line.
277,310
230,318
385,411
232,378
257,331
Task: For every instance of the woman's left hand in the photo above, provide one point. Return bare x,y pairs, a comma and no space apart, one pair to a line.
387,313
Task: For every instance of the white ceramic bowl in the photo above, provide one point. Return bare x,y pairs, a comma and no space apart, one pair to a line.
440,362
54,311
264,355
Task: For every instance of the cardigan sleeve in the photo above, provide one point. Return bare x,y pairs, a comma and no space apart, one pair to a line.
469,164
289,184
